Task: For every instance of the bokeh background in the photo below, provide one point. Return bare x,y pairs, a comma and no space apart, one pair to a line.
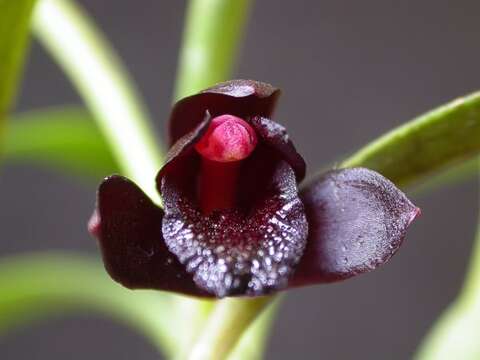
349,71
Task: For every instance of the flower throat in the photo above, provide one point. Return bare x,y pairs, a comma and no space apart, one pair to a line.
227,142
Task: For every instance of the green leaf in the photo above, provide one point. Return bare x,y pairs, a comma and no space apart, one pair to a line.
65,138
36,285
454,175
14,28
435,140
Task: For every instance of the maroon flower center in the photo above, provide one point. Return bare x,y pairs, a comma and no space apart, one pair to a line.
228,141
233,216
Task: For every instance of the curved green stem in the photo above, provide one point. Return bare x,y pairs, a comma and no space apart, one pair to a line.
444,136
227,322
91,64
14,25
213,30
55,282
253,342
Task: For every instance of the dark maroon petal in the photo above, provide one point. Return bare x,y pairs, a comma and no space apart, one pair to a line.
242,88
128,226
357,220
184,148
249,250
242,98
276,136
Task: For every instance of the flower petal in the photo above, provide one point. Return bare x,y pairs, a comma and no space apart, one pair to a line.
276,136
242,98
183,148
357,221
128,226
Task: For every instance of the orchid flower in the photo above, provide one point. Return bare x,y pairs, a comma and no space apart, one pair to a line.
237,218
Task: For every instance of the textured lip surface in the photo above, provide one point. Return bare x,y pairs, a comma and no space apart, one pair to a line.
251,249
238,251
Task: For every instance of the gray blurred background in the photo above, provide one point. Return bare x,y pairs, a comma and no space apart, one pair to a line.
350,70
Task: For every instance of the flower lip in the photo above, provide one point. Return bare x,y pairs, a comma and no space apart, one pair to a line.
250,246
251,249
228,139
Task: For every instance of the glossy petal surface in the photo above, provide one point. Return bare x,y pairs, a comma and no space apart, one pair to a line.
129,231
276,137
251,249
357,221
242,98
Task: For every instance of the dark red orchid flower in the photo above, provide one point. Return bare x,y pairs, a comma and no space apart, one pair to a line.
234,221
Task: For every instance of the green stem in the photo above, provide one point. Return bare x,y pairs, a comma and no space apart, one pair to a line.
226,324
56,282
433,141
91,64
253,342
212,33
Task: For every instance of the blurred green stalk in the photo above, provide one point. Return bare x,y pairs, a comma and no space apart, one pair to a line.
14,30
96,71
39,284
212,34
225,326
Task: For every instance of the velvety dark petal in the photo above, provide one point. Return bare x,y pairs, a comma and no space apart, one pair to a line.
357,220
276,136
242,98
249,250
128,226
